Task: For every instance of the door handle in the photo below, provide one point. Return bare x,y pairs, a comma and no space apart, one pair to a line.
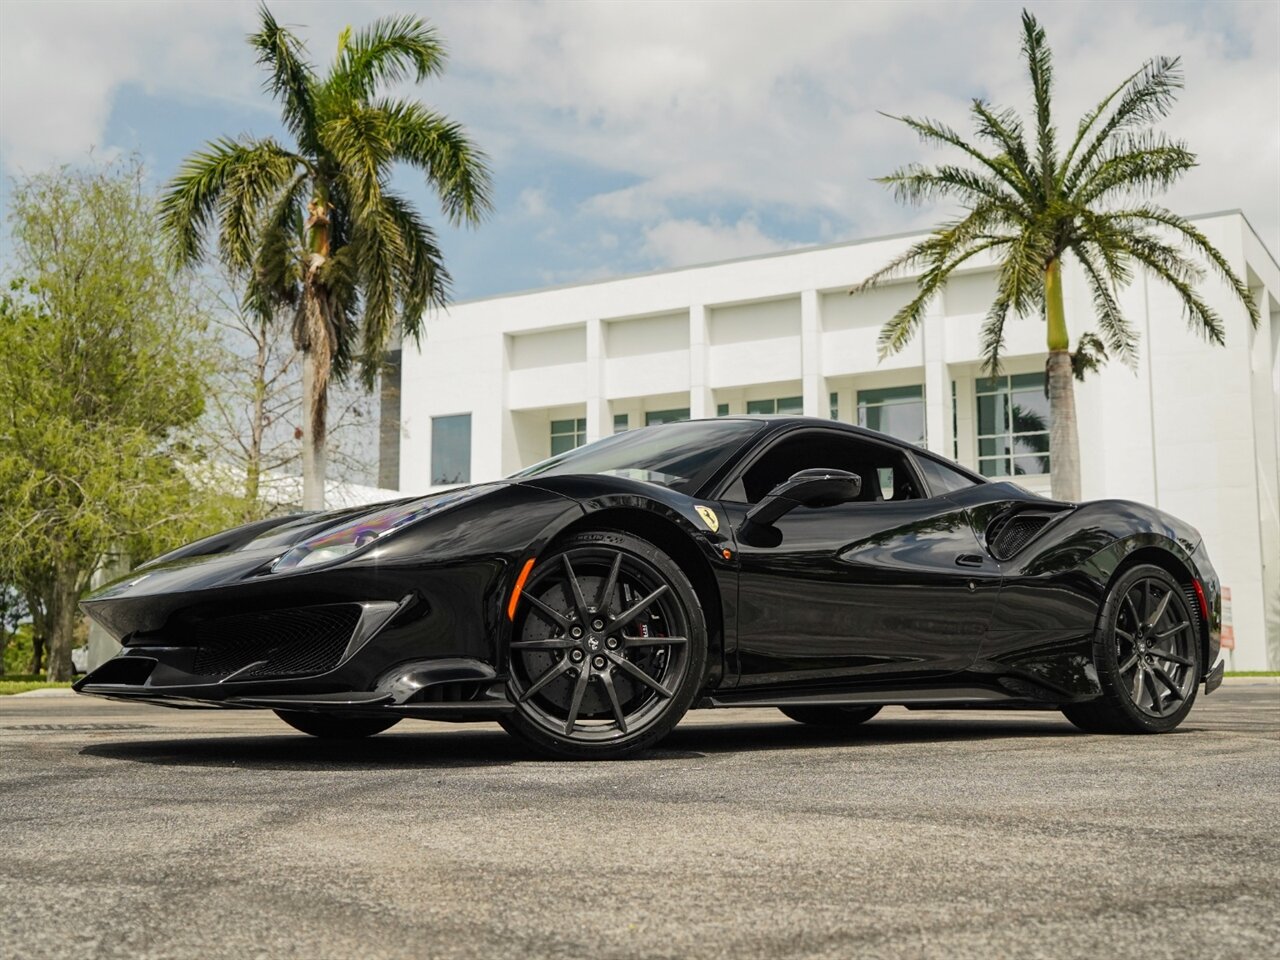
970,560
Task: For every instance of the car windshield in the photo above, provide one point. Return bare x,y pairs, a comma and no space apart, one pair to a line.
682,456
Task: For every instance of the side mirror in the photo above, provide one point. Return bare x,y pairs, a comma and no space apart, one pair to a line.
816,487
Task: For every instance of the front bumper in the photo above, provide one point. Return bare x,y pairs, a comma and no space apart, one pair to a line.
1213,679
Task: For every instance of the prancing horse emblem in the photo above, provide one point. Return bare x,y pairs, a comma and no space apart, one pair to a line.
593,643
708,517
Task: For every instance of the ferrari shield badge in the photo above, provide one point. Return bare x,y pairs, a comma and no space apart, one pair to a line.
708,517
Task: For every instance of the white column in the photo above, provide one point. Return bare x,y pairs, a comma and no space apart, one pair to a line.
701,399
598,424
937,385
816,403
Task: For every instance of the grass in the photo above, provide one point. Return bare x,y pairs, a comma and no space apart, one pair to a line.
12,683
8,687
1252,673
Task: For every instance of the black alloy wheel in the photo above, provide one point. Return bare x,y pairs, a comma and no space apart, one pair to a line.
608,648
332,726
1147,651
831,716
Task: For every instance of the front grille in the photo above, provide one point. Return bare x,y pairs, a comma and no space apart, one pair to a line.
1009,534
291,643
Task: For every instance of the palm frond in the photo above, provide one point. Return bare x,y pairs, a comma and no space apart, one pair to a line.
291,78
935,132
388,51
1143,164
380,258
1035,48
253,183
1121,338
1004,129
193,195
1147,96
901,327
992,334
1198,242
276,277
1088,357
358,141
1169,265
950,240
917,184
441,149
424,281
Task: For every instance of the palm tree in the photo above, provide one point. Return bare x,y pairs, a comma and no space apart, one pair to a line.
314,227
1028,206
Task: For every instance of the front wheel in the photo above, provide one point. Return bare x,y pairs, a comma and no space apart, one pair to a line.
830,716
1147,652
609,648
329,726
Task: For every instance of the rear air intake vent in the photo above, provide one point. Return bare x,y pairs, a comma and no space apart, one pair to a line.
1011,532
284,643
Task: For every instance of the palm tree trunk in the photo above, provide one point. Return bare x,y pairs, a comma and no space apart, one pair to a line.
314,403
1064,443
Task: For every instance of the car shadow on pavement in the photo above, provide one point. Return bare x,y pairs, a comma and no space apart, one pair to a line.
484,746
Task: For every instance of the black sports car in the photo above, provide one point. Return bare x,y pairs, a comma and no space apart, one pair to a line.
587,602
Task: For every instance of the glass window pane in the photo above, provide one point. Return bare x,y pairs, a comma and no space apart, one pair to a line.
835,406
990,384
562,426
581,425
994,468
904,421
665,416
562,443
993,446
992,417
792,406
451,449
620,423
886,482
722,409
1031,466
759,407
1031,443
1027,381
1030,412
889,394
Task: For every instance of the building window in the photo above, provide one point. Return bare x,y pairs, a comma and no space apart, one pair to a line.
621,423
834,400
1013,425
654,417
897,411
567,434
722,409
451,449
784,405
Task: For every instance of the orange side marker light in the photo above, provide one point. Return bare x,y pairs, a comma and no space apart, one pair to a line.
515,594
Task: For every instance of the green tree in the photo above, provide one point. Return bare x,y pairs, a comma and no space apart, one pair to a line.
100,373
1028,205
315,226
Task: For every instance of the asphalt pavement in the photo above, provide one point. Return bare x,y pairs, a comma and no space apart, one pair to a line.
136,831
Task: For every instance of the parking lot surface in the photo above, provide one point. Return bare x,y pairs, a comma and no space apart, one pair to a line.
144,832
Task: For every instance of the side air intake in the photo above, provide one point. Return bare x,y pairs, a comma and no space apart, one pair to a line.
1011,532
282,643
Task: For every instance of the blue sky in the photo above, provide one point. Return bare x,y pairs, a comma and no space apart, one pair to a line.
629,137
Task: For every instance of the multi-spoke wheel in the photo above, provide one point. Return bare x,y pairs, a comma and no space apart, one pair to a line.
608,648
833,716
334,727
1148,657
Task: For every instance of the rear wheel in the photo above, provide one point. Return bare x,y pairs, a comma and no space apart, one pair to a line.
608,648
831,716
1147,653
331,726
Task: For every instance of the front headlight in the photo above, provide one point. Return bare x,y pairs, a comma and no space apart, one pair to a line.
337,542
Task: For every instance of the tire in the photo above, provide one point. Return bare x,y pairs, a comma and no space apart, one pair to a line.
590,673
831,716
1147,652
331,726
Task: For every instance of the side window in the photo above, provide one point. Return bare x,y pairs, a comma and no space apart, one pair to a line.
941,478
884,471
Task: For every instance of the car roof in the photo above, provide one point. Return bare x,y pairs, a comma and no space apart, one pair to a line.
777,423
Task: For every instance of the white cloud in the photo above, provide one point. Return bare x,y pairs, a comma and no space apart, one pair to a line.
765,106
675,242
532,202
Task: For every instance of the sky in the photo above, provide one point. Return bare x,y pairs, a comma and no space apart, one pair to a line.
627,137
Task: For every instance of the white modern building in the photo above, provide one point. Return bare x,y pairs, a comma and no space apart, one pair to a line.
503,382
